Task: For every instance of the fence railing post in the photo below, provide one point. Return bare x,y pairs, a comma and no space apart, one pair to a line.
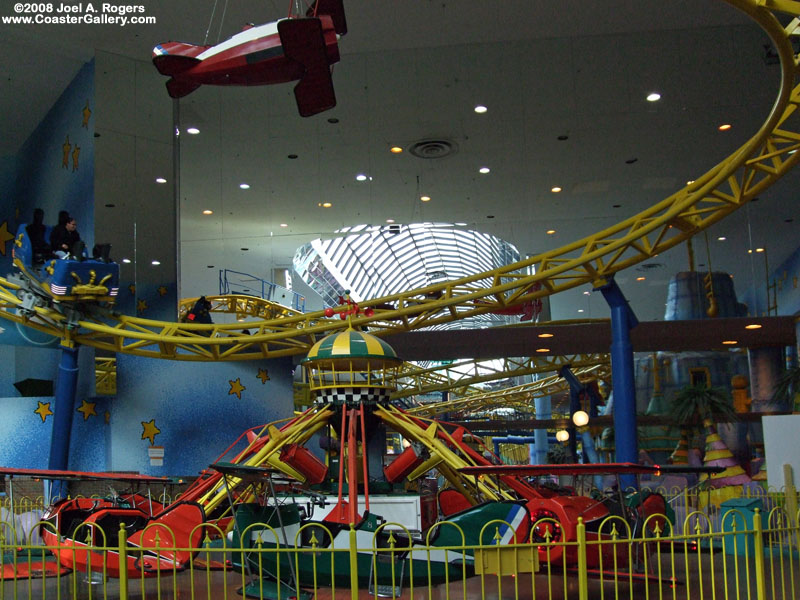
758,552
123,562
583,576
353,564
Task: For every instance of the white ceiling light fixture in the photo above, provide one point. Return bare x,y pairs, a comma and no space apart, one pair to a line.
653,97
155,263
361,177
244,186
160,180
484,170
480,109
192,130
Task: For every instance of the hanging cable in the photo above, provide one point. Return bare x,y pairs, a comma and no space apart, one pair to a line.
210,21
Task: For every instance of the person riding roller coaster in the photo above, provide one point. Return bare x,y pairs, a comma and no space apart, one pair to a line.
200,312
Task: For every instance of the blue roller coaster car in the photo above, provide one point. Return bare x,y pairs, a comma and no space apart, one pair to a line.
71,280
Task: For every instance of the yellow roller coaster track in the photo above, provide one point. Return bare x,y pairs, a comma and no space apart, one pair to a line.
756,165
460,378
520,397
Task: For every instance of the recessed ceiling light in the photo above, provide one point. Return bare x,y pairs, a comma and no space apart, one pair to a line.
545,335
724,127
729,342
395,149
484,170
127,261
326,205
721,238
753,326
759,249
390,220
244,186
550,231
640,278
580,310
690,182
555,189
192,130
208,212
543,349
653,97
284,224
361,177
425,198
160,180
587,293
155,263
480,109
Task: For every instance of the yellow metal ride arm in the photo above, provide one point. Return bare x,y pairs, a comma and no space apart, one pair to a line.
751,169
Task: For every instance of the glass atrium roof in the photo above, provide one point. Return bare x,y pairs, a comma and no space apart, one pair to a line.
372,261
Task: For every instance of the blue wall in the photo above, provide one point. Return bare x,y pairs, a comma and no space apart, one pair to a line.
196,408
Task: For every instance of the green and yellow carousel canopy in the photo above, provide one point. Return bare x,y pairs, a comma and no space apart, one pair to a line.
351,345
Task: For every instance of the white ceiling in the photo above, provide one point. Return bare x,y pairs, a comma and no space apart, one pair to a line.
414,70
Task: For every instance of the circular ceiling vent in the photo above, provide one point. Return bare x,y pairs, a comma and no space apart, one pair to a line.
433,148
650,266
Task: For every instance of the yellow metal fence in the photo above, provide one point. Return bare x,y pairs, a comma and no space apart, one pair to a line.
744,555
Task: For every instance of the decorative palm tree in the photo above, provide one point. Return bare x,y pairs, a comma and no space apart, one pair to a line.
696,405
787,388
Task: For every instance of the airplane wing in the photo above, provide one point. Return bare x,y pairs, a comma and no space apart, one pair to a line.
303,41
584,469
82,475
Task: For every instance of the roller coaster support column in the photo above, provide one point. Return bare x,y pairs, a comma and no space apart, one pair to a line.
66,384
577,390
622,321
544,410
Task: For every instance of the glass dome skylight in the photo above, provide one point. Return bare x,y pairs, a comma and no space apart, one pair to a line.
372,261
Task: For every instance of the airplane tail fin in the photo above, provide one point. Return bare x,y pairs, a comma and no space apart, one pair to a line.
334,8
303,41
178,88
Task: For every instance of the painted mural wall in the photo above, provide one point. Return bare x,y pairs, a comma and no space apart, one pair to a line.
193,411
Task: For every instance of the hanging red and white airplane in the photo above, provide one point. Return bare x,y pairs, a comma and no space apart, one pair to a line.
287,50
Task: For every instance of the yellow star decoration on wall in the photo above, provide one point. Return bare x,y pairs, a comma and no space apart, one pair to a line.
87,409
162,291
236,387
86,113
150,431
141,305
5,237
43,410
263,375
65,153
132,289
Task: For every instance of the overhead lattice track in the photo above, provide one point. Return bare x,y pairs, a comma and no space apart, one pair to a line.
519,397
751,169
461,377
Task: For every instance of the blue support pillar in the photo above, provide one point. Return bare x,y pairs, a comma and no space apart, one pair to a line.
622,377
543,411
66,384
